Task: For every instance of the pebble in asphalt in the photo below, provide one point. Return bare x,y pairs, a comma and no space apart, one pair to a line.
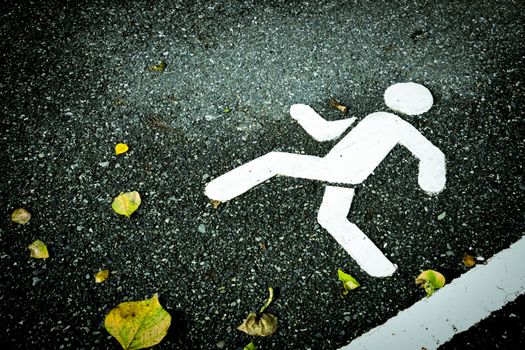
75,81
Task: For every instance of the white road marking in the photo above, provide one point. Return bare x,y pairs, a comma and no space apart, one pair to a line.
454,308
318,127
350,161
332,217
408,98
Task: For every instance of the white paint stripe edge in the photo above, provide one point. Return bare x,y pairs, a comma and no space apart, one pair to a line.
453,309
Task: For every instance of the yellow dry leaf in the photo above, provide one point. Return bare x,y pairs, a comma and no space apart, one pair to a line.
259,326
38,250
126,203
468,260
21,216
121,148
215,203
101,276
160,67
138,324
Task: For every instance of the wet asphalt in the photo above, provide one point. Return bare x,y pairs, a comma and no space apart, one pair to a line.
75,80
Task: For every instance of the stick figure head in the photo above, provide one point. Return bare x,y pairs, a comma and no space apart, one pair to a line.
408,98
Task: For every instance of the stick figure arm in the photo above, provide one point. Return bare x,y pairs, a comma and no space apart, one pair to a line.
432,168
318,127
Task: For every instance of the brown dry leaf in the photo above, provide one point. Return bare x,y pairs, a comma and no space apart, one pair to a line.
101,276
259,326
337,105
20,216
38,250
468,260
215,204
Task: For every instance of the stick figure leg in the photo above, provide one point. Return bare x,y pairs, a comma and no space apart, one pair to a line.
332,216
259,170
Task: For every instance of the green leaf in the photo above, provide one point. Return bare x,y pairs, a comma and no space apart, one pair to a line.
138,324
250,346
38,250
430,280
126,203
349,283
20,216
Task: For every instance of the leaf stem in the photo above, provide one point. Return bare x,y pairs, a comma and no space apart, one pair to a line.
268,302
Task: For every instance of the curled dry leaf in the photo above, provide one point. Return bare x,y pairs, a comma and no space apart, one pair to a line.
349,283
468,260
337,105
121,148
430,280
126,203
20,216
160,67
101,276
38,250
215,203
259,325
138,324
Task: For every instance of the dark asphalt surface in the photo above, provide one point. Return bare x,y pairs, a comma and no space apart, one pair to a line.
74,82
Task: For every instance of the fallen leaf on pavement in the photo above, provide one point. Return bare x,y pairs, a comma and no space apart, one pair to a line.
138,324
430,280
250,346
215,203
259,325
337,105
349,283
21,216
121,148
101,276
126,203
468,260
38,250
160,67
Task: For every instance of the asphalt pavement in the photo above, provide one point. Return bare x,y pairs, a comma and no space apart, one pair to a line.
76,78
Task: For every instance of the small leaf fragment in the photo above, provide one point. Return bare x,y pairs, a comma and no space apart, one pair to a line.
38,250
259,326
121,148
138,324
430,280
250,346
101,276
126,203
468,260
342,108
160,67
349,283
226,110
20,216
215,203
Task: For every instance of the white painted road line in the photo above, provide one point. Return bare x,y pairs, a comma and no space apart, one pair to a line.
454,308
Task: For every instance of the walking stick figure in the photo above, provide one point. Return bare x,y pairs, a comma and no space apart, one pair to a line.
349,162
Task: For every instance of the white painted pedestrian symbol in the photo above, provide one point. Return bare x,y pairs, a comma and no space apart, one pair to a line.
350,162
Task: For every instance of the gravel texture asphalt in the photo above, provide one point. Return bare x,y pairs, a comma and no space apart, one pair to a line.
74,81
